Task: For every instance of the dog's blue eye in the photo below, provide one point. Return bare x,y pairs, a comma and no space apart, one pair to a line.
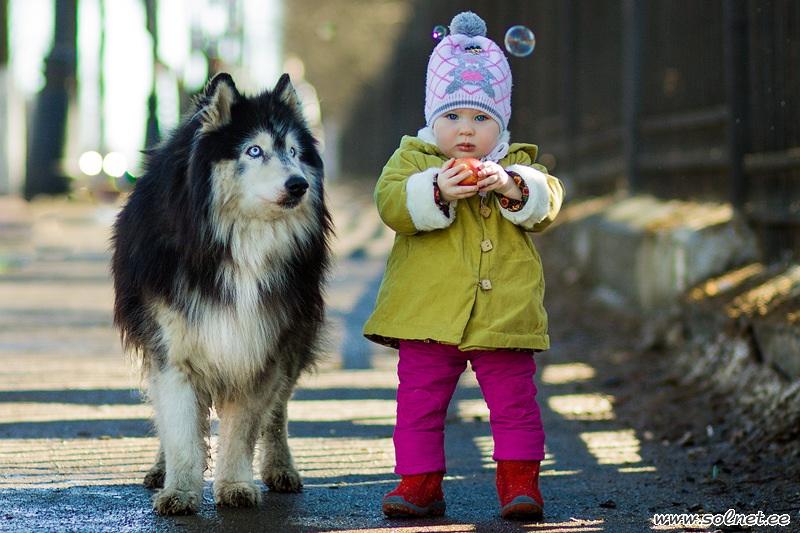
292,151
255,151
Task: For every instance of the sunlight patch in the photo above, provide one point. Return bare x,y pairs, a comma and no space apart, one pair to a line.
567,373
583,406
613,447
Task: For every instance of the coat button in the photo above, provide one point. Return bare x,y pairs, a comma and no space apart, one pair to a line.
486,245
485,211
486,284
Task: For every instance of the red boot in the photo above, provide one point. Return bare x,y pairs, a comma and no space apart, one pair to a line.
417,495
518,490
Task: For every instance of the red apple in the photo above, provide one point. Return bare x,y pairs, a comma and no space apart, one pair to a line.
472,164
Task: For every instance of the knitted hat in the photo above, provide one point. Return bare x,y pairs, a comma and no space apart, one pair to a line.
466,69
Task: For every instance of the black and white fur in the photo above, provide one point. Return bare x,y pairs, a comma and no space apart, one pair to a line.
220,255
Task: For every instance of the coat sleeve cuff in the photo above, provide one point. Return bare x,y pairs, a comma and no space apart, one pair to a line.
421,204
538,205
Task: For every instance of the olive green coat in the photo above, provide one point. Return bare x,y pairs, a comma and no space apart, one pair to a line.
471,279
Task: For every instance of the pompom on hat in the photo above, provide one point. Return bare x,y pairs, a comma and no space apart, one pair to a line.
467,69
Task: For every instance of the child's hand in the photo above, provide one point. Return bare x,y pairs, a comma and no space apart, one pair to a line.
449,178
493,177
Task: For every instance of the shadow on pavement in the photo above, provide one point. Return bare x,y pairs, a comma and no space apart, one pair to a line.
75,429
76,396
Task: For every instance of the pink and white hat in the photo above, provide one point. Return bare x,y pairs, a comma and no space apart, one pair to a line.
466,69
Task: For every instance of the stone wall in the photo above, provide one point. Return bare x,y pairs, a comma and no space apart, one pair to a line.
688,270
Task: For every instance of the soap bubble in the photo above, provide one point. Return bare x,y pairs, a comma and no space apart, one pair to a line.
439,32
520,41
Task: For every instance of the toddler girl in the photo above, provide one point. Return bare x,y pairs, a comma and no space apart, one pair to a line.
463,281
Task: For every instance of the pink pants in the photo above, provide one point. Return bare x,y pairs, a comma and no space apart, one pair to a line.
428,375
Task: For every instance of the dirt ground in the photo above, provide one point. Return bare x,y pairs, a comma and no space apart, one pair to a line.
697,439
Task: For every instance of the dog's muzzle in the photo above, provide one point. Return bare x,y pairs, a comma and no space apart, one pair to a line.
297,186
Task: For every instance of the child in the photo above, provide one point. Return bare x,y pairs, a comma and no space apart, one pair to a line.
463,281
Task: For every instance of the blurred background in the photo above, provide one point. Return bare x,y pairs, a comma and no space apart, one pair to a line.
673,275
679,99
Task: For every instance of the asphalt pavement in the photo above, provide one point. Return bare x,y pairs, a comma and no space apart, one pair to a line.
76,437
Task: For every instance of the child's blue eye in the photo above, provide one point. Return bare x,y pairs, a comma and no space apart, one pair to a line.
452,116
481,118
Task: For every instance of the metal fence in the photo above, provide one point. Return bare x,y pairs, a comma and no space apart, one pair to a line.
676,98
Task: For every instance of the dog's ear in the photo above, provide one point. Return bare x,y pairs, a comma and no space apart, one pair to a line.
285,92
214,106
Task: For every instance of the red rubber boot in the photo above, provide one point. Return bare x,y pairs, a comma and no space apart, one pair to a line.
417,495
518,490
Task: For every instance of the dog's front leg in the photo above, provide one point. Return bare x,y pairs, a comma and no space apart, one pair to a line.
154,479
277,467
238,430
180,421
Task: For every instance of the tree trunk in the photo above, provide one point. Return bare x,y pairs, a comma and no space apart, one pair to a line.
44,173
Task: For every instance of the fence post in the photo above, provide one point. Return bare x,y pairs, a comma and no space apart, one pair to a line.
736,84
569,67
633,21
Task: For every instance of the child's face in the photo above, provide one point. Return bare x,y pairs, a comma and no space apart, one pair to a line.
466,132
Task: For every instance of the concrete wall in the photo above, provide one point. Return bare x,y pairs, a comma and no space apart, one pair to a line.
647,252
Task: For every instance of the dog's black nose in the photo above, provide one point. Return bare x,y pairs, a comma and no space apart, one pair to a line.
296,186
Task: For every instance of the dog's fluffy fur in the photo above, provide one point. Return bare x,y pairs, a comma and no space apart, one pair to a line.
219,259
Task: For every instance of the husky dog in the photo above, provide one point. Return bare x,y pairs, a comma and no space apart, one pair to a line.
219,259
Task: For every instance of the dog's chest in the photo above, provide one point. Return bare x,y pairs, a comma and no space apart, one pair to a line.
229,342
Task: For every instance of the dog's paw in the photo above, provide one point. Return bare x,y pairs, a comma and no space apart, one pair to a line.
154,479
237,494
282,479
176,502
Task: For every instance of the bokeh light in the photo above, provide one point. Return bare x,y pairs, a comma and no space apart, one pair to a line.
90,163
115,164
195,71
